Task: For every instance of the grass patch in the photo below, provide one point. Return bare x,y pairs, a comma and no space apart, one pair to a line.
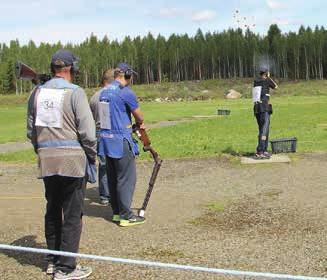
24,156
216,206
12,123
232,135
212,209
165,253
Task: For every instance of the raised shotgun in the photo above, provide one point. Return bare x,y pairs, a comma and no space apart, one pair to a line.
25,72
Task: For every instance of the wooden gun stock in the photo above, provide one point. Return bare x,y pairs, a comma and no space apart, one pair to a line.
25,72
143,136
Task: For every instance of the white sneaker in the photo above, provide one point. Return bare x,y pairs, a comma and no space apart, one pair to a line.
80,272
50,268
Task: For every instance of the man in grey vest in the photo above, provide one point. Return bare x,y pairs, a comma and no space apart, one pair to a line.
107,78
62,131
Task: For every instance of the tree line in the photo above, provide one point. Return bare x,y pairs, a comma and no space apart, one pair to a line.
233,53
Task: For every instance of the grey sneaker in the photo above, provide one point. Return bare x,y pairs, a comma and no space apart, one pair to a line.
266,154
80,272
104,201
133,221
50,268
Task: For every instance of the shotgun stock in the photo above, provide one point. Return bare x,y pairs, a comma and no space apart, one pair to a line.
25,72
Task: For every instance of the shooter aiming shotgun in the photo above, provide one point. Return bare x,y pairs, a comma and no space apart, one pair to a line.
144,138
25,72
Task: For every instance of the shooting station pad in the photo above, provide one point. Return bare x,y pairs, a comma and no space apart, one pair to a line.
279,158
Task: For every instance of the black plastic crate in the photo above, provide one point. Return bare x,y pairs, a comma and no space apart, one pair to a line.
283,145
223,112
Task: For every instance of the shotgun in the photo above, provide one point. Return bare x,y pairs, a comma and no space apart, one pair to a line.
144,138
25,72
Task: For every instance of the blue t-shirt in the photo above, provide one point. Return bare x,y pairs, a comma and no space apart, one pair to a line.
116,123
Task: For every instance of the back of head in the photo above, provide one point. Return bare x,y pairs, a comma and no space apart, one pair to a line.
64,59
108,76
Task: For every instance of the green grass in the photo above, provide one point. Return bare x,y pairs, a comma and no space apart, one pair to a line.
12,123
25,156
295,114
216,206
237,133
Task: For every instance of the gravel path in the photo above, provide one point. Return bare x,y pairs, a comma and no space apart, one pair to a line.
15,146
271,218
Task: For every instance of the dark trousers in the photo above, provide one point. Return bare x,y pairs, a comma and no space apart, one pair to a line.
263,120
121,180
102,174
63,218
102,178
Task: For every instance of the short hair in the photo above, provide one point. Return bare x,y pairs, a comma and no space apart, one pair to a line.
57,69
118,72
108,76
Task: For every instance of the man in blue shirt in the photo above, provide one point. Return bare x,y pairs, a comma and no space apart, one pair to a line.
117,105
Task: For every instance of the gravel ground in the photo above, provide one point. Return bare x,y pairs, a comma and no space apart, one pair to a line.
270,218
15,146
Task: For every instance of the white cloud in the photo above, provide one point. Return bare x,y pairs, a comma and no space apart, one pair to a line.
205,15
275,5
285,22
169,12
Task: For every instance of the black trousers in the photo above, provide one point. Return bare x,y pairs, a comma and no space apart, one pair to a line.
63,218
122,179
263,120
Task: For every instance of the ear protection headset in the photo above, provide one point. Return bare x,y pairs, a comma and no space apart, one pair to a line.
128,74
73,70
75,67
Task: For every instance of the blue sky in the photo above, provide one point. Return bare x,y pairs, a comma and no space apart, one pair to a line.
74,20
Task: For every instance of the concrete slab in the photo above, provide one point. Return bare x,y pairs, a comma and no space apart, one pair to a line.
279,158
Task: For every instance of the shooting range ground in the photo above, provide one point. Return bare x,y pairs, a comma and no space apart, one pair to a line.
203,212
206,210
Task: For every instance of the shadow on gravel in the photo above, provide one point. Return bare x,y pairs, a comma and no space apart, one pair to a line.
92,207
23,258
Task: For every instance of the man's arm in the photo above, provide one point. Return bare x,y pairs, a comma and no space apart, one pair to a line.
272,83
138,116
130,100
85,124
